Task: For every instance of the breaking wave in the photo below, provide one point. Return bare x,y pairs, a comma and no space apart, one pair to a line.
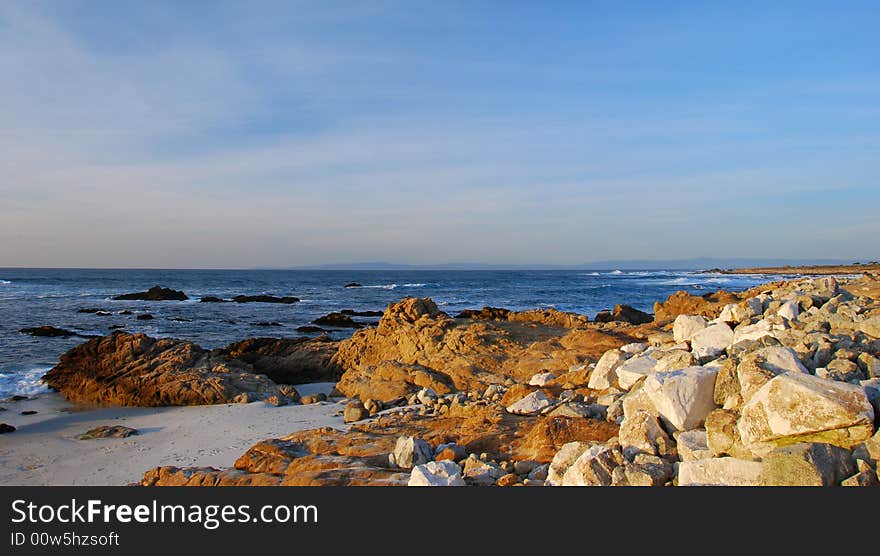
25,383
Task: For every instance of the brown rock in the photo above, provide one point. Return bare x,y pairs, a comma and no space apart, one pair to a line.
625,313
271,456
683,303
507,480
134,369
486,313
417,345
288,360
355,411
108,431
391,380
313,398
549,317
337,320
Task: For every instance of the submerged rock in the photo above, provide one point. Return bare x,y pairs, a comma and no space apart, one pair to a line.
337,320
48,332
156,293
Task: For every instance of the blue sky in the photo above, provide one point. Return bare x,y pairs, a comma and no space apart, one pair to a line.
232,134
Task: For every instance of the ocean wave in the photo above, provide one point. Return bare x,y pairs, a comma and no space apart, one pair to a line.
5,282
590,274
616,272
718,281
25,383
414,285
382,286
675,282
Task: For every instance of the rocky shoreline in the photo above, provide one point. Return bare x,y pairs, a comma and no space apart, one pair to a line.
777,385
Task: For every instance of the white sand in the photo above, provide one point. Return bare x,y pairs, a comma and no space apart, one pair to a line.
44,450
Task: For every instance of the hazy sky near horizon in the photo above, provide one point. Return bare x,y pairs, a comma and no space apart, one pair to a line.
239,134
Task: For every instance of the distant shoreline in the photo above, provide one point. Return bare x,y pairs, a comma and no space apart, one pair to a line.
809,269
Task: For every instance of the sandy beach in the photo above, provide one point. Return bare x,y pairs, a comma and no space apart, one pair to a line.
45,450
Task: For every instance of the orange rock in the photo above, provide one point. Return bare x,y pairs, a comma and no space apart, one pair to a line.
683,303
134,369
507,480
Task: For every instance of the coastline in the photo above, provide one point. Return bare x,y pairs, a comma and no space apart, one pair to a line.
45,451
813,270
178,445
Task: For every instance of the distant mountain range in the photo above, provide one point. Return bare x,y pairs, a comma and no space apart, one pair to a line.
697,263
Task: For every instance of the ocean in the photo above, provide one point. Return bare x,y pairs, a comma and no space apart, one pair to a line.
36,297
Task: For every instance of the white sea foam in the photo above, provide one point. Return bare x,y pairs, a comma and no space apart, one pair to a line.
414,285
25,383
675,282
616,272
5,282
383,286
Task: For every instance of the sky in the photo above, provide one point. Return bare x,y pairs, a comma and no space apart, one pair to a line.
275,134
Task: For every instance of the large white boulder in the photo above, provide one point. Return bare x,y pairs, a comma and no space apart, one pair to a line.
634,348
753,331
755,306
531,404
605,374
481,472
593,467
634,369
693,445
806,407
674,359
720,472
759,367
712,341
541,379
683,398
436,473
640,433
734,313
789,310
564,458
685,326
409,452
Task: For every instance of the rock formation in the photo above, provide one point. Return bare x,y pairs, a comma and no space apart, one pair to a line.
134,369
156,293
287,360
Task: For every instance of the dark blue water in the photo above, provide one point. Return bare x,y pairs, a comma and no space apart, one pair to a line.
34,297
